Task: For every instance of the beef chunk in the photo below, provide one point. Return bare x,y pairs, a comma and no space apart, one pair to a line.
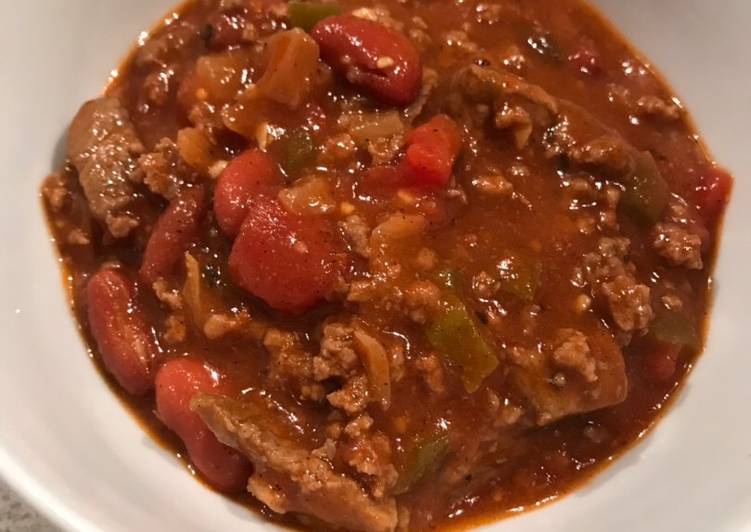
518,105
589,144
289,477
577,373
103,146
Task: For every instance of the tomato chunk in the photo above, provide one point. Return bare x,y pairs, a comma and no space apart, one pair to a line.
173,234
432,150
251,173
291,262
177,382
125,343
713,194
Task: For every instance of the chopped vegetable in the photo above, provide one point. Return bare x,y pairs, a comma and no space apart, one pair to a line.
376,362
306,15
198,297
373,126
647,193
293,60
424,459
295,151
456,336
220,76
432,150
520,277
195,148
674,328
308,196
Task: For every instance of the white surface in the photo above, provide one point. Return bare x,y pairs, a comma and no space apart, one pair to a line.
68,446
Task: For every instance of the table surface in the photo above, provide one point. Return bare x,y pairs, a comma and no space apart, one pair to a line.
17,516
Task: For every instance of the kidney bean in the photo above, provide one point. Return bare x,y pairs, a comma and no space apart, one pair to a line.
662,363
432,149
251,173
371,56
173,233
177,382
291,262
125,343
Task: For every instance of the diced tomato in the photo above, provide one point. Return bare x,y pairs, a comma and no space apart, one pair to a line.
713,193
432,150
662,363
173,234
122,336
247,175
291,262
177,382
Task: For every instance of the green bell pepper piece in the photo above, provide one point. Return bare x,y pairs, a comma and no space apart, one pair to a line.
424,459
306,15
646,192
457,337
674,328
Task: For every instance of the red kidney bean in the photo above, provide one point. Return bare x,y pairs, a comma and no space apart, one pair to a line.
662,363
173,234
291,262
125,343
371,56
252,172
177,382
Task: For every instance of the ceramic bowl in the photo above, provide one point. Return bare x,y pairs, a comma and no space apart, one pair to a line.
73,451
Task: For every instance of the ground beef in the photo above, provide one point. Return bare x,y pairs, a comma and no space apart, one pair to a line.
516,119
431,369
291,366
163,171
572,351
353,397
357,233
614,283
629,303
607,153
370,455
422,299
678,245
337,357
171,297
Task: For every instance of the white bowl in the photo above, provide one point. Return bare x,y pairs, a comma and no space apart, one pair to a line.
69,447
